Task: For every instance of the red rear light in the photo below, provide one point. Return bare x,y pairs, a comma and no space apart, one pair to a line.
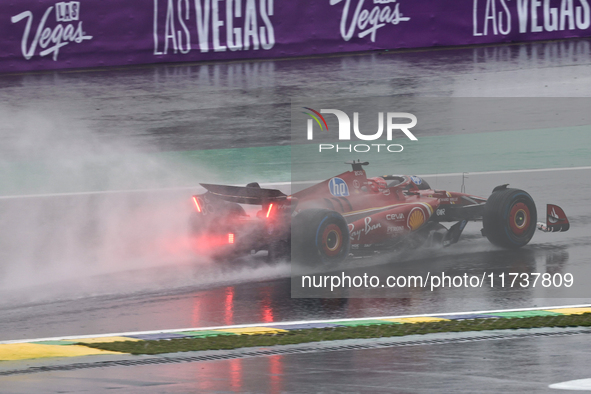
269,210
197,204
230,238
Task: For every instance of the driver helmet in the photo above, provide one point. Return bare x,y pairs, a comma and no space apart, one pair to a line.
377,184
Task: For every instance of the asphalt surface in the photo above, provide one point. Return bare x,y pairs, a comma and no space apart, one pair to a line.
166,287
55,284
451,362
240,104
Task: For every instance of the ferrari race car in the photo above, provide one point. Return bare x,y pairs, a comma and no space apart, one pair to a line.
351,214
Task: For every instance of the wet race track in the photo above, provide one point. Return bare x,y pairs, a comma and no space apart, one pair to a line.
79,260
485,366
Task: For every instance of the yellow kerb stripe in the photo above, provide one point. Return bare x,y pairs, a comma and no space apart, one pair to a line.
25,351
253,330
423,319
571,311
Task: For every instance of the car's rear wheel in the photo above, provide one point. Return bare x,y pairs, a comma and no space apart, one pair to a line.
319,237
509,218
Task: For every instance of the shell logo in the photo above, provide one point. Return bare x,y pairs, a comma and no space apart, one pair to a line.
416,218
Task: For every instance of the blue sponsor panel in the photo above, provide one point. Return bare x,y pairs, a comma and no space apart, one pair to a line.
338,187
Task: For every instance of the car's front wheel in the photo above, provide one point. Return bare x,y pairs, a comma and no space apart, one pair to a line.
509,218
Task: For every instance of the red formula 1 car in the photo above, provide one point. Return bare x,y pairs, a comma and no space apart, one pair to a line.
353,214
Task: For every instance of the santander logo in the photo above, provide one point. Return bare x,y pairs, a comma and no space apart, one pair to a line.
51,39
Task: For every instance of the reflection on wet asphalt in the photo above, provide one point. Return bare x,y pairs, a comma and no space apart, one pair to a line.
240,104
524,365
187,293
186,107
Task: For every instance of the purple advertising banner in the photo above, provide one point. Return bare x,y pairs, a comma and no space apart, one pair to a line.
44,34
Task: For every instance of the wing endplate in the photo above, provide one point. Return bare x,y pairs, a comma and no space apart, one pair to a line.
556,220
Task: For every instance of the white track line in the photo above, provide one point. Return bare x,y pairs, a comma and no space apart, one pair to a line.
275,324
276,183
513,171
573,385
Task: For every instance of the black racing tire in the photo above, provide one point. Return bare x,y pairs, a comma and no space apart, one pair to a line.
510,218
319,237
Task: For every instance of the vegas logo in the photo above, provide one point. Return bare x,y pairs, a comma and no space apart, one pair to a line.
51,39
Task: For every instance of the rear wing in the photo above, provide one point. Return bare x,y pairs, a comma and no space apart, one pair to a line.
556,220
245,195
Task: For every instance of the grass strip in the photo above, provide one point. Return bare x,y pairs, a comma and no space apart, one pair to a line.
336,333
